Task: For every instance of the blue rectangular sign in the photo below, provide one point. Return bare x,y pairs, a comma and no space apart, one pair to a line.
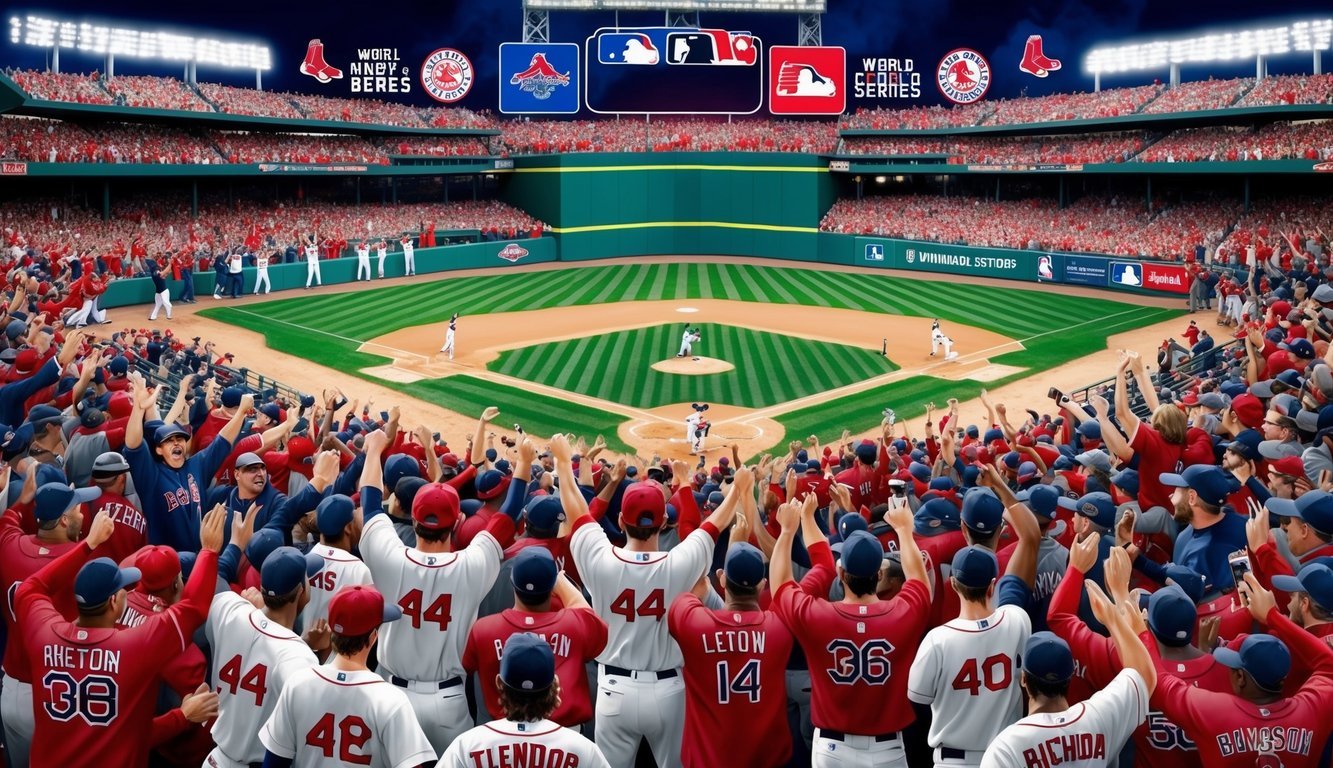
539,78
1086,270
673,70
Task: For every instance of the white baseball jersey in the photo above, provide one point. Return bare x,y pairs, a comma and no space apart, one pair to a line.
380,250
341,569
363,253
631,591
938,335
439,594
261,261
1087,735
253,658
326,717
312,253
408,248
539,743
967,671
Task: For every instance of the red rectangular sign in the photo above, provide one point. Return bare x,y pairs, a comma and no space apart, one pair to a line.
807,80
1165,277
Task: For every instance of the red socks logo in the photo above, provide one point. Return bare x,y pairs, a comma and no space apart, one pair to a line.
1035,62
315,65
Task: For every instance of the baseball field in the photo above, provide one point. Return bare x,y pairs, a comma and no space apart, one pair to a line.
784,352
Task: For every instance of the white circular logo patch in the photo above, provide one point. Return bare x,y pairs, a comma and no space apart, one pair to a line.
447,75
963,76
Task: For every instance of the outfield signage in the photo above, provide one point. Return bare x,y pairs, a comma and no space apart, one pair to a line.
1086,270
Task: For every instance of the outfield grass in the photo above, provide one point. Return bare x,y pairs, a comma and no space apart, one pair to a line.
328,328
617,367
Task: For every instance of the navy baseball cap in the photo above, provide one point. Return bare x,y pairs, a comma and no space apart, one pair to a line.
333,514
983,512
744,565
527,663
534,572
492,483
1246,445
975,567
862,555
1301,348
1189,581
1315,580
1090,428
262,544
934,517
1041,499
1047,658
272,411
544,513
167,431
1171,616
1013,460
1314,507
919,471
1127,480
813,466
358,609
850,523
1208,481
55,499
397,467
1264,658
100,579
866,452
286,568
941,484
41,415
231,397
1097,506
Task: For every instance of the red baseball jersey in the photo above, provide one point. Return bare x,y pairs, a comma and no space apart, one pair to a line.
96,688
735,684
20,557
131,532
856,653
576,635
939,551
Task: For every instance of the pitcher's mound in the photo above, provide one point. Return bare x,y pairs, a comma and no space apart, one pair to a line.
693,366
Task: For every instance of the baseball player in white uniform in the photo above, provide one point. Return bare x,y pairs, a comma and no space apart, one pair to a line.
438,589
938,339
334,517
343,714
640,692
693,435
255,653
529,693
312,262
687,338
409,254
449,336
261,280
362,260
1089,734
381,250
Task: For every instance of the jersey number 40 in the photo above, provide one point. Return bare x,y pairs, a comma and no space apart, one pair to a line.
995,672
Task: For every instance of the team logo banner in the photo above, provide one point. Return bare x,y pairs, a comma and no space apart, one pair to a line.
673,70
807,80
539,78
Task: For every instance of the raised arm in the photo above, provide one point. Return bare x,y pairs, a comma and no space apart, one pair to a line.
232,429
1123,413
1023,564
143,400
1124,622
1110,432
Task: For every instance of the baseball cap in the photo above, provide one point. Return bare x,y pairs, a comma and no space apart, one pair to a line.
435,506
167,431
1248,409
333,514
262,544
744,564
231,397
1026,471
118,365
935,516
399,466
1190,581
975,567
866,452
919,471
110,463
862,555
812,465
1263,657
55,499
1127,480
534,572
99,579
1246,445
41,415
1291,466
642,505
1301,348
1090,428
527,663
1098,460
851,523
1041,499
492,483
358,609
1097,506
1315,580
1208,481
1314,507
248,460
1215,401
406,491
1047,658
158,567
544,513
1171,616
983,512
1311,421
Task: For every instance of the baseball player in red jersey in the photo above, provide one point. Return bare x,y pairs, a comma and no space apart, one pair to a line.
575,633
59,524
97,685
1255,724
735,667
859,650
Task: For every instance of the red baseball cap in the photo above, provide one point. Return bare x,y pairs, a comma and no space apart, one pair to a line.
358,609
435,506
1248,409
159,566
643,505
1291,466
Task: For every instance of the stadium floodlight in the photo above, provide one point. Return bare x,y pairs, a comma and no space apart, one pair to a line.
1303,36
688,6
101,40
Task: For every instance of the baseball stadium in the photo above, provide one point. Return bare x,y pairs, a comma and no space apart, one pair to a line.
689,383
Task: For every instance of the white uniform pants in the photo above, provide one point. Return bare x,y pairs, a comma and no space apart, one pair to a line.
442,713
312,272
16,711
448,343
363,263
684,348
411,259
970,759
1234,308
218,759
161,300
88,313
262,280
852,751
382,255
632,707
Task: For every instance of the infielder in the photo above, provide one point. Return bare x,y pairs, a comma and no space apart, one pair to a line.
938,339
381,250
409,254
312,262
449,336
693,434
690,336
261,280
363,260
529,693
344,714
255,653
640,693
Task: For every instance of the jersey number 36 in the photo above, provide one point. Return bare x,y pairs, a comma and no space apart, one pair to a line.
93,698
865,663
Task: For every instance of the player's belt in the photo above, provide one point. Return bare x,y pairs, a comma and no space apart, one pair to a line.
949,753
840,736
622,672
404,683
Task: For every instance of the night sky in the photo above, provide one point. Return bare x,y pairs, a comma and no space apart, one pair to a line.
904,29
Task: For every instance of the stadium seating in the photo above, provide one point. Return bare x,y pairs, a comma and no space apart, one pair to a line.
1114,102
540,137
1080,148
1290,89
1197,95
62,86
436,146
155,93
247,101
1279,141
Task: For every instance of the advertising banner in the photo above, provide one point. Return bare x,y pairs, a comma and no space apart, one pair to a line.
539,78
1171,278
1087,270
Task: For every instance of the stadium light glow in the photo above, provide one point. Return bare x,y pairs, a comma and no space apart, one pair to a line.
1301,36
761,6
100,40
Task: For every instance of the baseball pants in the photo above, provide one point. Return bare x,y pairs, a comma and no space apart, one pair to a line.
312,272
262,281
798,702
362,263
219,759
684,349
448,344
161,300
848,750
19,721
442,713
958,758
382,255
1234,308
639,705
411,259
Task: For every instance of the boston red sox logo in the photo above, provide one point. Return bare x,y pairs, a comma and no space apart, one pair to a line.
512,252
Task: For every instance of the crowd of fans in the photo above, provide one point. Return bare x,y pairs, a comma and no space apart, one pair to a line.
155,93
1092,224
988,150
917,118
239,147
540,137
1115,102
55,141
436,146
248,101
1290,89
62,86
1198,95
1269,224
1277,141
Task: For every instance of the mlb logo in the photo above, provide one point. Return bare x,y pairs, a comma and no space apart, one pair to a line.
1127,273
874,252
807,80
